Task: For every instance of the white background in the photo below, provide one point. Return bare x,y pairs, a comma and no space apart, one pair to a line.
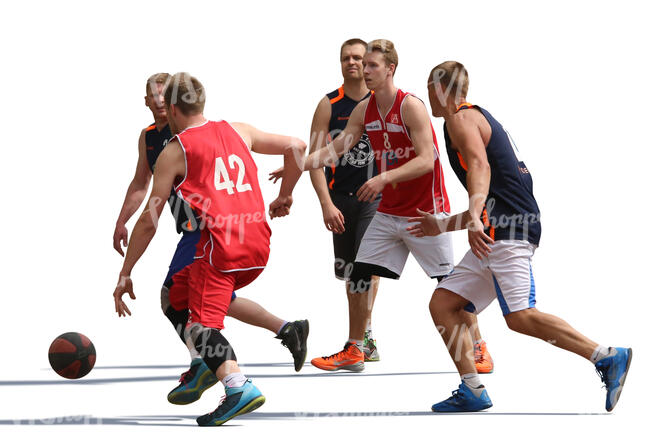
569,82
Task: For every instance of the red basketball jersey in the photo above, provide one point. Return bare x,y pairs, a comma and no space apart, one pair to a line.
221,185
393,148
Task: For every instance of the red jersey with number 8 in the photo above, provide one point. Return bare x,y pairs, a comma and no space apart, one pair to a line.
221,186
393,148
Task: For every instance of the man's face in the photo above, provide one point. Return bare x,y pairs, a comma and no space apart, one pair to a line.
375,70
436,98
352,61
156,102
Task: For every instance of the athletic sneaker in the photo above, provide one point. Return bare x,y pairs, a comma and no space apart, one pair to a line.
351,359
194,382
370,353
294,336
237,401
462,400
482,359
613,371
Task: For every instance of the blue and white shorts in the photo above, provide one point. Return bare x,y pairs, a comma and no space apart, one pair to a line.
506,274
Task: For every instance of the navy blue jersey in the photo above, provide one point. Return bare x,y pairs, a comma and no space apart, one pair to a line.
511,211
156,141
357,166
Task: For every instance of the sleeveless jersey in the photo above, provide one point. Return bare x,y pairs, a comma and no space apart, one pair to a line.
221,186
155,143
355,167
511,211
393,148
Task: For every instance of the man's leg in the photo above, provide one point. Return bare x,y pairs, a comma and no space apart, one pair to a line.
250,312
448,311
210,296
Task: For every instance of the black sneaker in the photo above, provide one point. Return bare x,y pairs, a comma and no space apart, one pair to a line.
294,337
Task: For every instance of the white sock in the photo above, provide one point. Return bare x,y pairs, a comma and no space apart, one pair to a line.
194,354
284,323
473,382
600,353
234,380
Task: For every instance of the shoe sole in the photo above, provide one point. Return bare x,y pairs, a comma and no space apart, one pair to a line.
462,411
357,367
249,407
303,342
622,381
190,396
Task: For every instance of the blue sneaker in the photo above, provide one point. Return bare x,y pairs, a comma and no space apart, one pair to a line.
237,401
613,371
193,383
462,400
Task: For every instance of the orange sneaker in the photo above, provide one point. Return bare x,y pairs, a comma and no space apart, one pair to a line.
482,359
351,359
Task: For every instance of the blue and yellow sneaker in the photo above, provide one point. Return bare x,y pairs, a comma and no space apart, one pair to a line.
237,401
462,400
613,371
194,382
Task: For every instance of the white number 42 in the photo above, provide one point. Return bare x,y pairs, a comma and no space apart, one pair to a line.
222,179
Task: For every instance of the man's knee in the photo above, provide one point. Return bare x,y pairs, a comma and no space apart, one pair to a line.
211,345
521,321
444,301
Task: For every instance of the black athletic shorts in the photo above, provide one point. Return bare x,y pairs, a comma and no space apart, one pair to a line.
357,217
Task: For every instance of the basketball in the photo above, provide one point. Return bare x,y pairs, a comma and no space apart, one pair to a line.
72,355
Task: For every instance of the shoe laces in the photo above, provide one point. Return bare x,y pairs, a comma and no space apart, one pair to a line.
340,353
603,378
478,354
186,377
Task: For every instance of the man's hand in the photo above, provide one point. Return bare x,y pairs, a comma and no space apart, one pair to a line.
124,285
478,240
428,225
371,189
333,218
120,238
276,175
280,206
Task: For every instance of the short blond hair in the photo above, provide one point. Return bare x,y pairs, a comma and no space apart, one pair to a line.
185,92
385,47
156,79
453,75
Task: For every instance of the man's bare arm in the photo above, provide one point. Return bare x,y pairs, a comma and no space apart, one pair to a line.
328,154
170,164
135,194
292,148
319,135
416,118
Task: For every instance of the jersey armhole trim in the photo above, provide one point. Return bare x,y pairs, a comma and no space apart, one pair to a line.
177,187
242,138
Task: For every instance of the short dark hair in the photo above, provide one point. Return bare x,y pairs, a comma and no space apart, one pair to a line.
354,41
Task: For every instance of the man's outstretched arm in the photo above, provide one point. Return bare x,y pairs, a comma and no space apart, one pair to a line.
170,164
293,150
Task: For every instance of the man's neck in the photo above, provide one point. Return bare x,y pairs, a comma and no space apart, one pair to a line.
160,123
452,108
385,97
355,89
194,121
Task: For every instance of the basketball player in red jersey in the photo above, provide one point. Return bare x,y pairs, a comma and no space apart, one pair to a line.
198,377
410,177
210,167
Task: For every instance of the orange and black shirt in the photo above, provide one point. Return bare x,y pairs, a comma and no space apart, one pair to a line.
357,166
